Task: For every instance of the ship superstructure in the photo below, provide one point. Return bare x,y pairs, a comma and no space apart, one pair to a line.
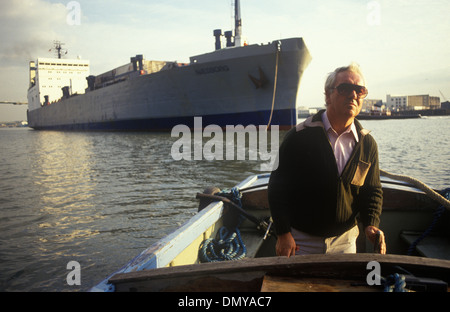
52,78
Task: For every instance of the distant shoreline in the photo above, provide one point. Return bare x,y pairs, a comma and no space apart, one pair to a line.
14,124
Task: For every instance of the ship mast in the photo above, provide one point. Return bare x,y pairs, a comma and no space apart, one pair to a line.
237,24
231,41
58,48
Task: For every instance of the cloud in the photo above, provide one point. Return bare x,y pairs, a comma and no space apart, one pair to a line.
28,28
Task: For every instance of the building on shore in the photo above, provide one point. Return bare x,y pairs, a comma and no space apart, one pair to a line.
395,105
14,124
371,105
412,102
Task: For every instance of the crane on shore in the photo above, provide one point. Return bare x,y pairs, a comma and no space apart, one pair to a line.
443,95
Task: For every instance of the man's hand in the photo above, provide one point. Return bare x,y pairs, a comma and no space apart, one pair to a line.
286,245
371,234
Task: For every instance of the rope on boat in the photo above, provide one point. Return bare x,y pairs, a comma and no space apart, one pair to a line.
420,185
437,215
274,83
229,245
395,283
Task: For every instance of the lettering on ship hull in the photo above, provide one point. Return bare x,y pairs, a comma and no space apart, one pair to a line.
212,70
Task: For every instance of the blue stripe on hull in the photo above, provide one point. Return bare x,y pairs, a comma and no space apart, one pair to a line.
284,118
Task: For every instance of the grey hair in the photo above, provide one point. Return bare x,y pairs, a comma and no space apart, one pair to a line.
331,79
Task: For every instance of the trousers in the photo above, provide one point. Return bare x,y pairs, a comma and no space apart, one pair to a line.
310,244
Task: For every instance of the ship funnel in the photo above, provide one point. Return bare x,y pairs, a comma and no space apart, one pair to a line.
66,92
218,35
229,36
91,82
231,41
137,62
140,59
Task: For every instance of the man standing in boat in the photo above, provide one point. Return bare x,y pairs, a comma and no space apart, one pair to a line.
328,175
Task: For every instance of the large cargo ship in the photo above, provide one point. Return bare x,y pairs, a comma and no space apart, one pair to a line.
242,84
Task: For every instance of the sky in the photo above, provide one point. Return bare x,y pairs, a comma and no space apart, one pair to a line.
402,46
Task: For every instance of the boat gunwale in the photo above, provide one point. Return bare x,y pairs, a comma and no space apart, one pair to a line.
336,266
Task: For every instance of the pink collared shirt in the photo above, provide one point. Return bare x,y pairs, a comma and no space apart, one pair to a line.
342,144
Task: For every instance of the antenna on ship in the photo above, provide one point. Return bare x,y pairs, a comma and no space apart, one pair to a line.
58,48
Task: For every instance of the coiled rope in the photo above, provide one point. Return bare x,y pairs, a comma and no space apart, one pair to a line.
395,283
229,245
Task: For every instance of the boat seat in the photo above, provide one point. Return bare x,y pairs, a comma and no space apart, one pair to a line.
432,246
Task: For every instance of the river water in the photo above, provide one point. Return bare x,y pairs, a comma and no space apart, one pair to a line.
101,198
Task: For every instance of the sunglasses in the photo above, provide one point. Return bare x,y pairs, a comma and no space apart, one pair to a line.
346,89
